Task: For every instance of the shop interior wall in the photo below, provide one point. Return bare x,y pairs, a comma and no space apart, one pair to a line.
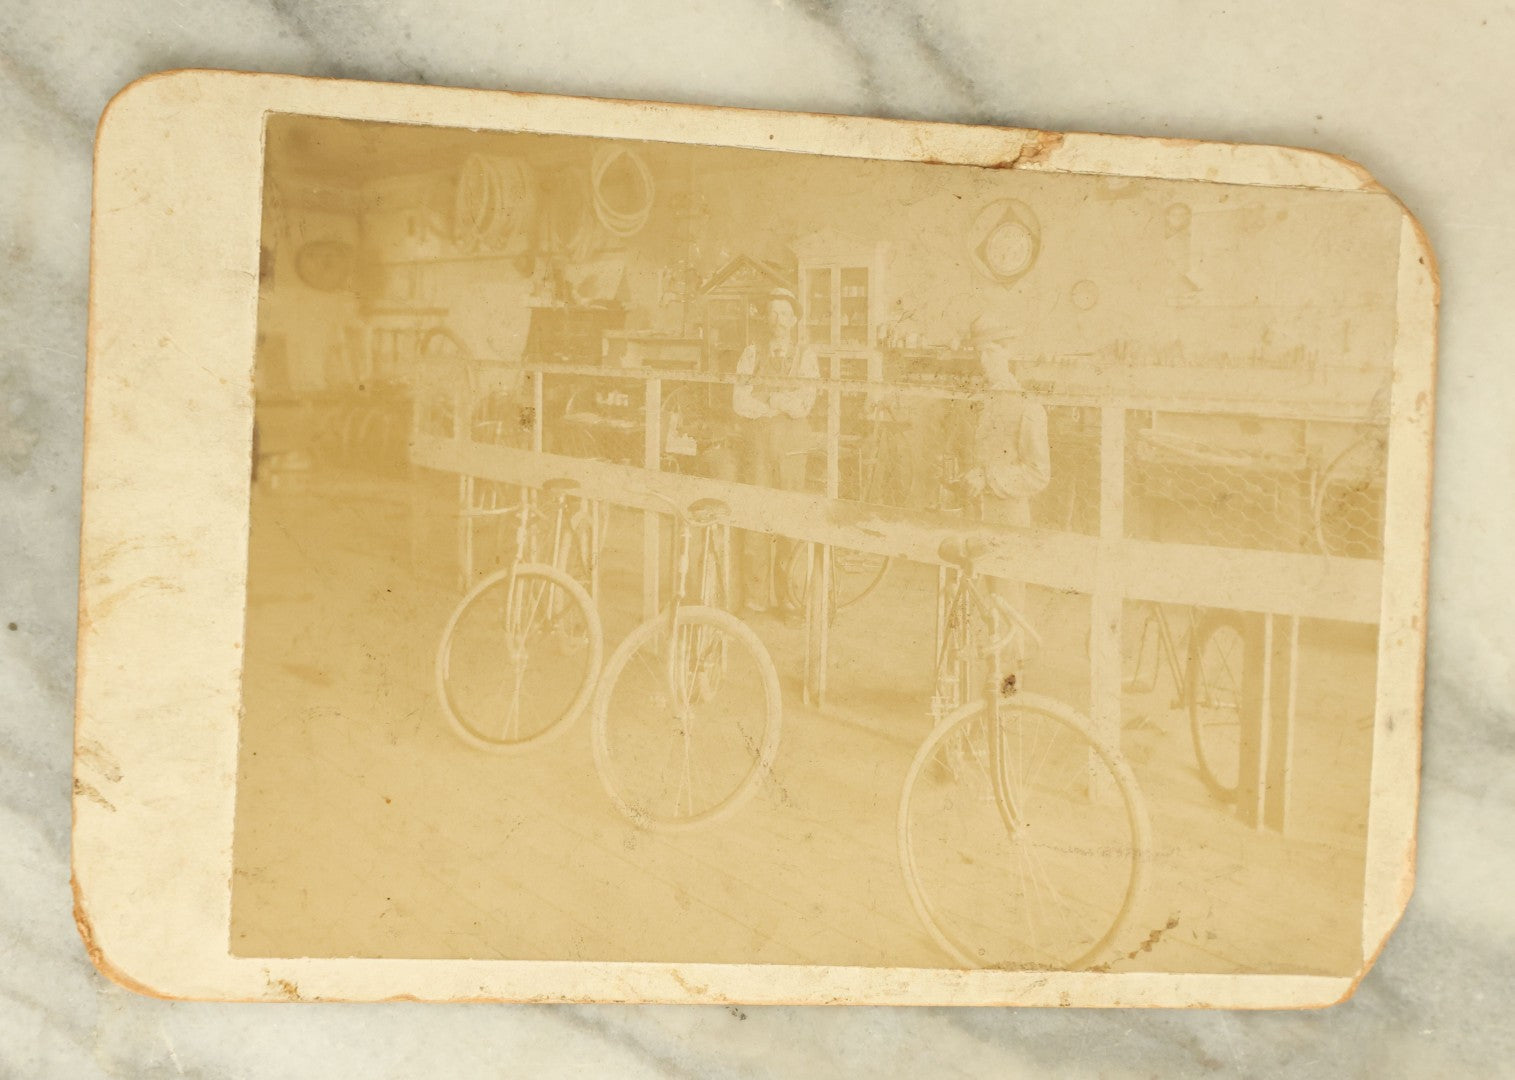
1175,275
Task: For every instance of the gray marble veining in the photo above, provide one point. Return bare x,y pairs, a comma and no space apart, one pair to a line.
1416,93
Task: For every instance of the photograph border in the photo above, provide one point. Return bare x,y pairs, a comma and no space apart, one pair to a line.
175,249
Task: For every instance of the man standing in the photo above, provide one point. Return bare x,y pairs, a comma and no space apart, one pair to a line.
1013,462
775,433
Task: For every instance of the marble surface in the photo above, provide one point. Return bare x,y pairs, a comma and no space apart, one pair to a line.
1416,92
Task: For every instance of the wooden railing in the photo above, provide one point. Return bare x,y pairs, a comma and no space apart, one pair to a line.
1110,565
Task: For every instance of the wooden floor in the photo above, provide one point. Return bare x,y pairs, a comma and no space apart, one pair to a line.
365,828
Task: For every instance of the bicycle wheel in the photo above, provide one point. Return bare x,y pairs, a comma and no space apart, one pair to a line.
1023,840
685,725
1217,660
518,658
854,574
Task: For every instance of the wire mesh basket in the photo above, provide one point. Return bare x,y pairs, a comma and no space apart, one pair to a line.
1224,487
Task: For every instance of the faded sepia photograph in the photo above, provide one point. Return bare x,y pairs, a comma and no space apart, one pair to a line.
692,554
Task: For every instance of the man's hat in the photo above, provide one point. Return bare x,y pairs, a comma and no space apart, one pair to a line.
989,328
787,296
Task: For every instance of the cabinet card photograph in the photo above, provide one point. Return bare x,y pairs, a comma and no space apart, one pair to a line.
669,553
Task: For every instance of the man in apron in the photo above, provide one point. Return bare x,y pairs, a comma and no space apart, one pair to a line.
776,438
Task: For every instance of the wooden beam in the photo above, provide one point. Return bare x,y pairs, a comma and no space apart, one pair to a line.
1183,392
1312,586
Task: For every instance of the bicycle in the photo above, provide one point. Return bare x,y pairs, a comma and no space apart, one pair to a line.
498,419
685,720
1023,836
854,575
534,623
885,472
883,475
1208,685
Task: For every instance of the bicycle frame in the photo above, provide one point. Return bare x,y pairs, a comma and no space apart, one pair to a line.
1166,648
883,428
685,670
528,547
956,608
968,598
995,691
713,561
528,541
995,747
526,551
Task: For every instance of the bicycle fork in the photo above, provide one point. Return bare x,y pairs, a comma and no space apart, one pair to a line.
683,664
692,657
996,687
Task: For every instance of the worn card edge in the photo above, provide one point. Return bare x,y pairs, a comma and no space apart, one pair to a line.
245,98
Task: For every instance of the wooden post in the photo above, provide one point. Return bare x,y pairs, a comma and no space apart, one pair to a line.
537,418
652,460
808,688
598,512
1251,718
834,431
465,529
726,585
414,481
939,635
818,606
1105,604
1258,772
1280,742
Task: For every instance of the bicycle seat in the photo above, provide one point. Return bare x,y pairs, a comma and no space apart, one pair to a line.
707,511
559,486
956,551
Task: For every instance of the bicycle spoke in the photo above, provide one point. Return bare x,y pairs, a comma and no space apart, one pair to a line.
539,597
513,715
1041,761
1037,873
678,738
1041,879
683,802
1225,657
517,659
1024,859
